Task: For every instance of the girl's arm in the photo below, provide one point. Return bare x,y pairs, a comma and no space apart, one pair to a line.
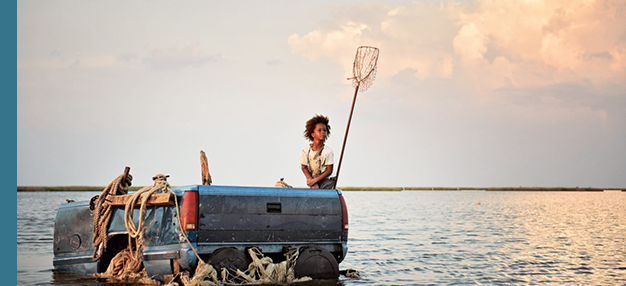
322,176
306,173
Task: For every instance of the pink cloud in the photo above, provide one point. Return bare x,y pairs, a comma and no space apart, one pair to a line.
516,43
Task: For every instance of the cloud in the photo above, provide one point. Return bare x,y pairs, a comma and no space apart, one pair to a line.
470,43
55,62
548,65
273,62
179,56
337,45
174,57
508,43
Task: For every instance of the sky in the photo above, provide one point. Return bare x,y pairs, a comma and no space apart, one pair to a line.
467,93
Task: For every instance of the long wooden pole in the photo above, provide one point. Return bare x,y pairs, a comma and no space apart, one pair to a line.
345,136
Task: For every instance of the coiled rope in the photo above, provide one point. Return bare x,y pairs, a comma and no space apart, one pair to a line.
128,262
136,232
103,211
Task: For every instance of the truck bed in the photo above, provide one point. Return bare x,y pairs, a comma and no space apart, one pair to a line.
271,219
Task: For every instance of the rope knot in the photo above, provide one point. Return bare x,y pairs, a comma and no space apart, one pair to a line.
160,179
282,184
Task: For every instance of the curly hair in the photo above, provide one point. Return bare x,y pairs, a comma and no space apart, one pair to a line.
311,123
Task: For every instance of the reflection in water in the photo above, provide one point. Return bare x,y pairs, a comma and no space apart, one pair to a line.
413,237
62,278
521,238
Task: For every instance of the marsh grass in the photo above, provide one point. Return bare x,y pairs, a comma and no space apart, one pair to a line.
67,188
386,189
363,189
490,189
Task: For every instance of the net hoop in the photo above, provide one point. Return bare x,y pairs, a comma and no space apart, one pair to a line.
364,67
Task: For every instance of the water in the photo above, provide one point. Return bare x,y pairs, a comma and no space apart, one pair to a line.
424,238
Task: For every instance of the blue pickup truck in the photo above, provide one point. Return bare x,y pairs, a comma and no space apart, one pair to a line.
216,219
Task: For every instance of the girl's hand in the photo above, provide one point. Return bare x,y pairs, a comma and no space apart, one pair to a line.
310,182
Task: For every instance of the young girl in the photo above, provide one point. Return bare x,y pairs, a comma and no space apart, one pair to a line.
316,159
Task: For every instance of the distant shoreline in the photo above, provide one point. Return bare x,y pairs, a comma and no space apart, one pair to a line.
488,189
391,189
67,188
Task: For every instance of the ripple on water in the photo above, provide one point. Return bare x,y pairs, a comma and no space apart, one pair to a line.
426,238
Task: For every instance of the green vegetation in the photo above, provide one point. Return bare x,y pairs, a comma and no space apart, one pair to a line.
490,189
369,189
378,189
544,189
409,189
66,189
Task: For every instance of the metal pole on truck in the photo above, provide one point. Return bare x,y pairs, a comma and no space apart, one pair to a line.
364,71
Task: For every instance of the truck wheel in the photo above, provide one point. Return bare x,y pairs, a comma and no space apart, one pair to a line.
317,263
229,258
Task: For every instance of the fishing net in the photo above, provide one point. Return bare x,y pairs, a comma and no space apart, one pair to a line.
364,71
262,270
364,67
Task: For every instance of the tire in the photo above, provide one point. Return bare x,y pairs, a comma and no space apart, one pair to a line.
229,258
317,263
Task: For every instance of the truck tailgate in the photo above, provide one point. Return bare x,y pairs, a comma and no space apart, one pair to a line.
268,215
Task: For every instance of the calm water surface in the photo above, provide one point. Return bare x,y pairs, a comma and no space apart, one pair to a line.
424,238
